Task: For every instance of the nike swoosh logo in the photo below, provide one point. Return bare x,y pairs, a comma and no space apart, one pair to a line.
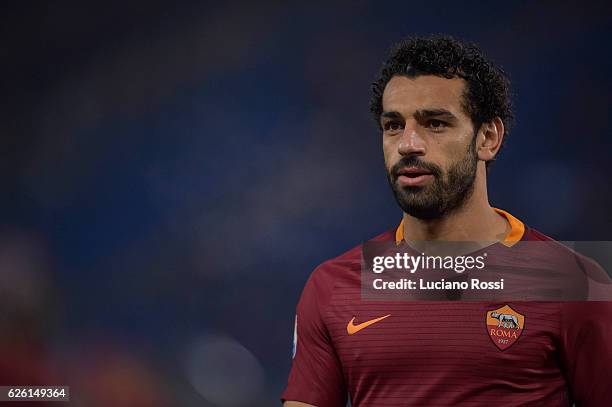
351,328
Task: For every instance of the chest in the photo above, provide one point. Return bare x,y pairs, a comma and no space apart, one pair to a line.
414,341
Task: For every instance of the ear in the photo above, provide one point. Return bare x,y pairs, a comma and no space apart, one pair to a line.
489,139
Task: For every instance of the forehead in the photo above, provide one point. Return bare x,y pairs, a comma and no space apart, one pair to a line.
406,95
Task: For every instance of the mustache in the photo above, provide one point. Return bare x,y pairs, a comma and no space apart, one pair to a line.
413,161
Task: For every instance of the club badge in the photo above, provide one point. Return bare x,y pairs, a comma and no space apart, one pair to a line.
504,326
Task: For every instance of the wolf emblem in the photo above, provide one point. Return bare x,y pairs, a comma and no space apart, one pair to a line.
506,320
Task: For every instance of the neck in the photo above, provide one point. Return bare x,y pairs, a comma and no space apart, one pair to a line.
474,221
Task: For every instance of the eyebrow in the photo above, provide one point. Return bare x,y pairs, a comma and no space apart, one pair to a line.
391,115
421,114
429,113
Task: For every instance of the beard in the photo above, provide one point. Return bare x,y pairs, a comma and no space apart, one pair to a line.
448,192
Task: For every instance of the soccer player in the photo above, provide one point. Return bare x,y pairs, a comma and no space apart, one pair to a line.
444,111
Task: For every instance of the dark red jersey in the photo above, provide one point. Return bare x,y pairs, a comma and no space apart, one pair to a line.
445,353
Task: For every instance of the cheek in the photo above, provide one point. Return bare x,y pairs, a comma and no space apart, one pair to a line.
390,153
456,152
453,151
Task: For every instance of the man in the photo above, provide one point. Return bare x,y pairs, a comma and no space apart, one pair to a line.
444,110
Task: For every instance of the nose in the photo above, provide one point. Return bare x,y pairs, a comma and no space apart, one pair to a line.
411,143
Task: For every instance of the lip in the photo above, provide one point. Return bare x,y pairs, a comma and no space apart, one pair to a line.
418,181
414,177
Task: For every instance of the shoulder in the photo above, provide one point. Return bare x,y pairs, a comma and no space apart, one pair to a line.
344,269
543,246
568,256
553,247
532,234
348,262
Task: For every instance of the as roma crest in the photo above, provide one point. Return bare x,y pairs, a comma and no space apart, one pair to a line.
504,326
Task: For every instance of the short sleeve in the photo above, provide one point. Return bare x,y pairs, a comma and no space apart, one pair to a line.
316,373
599,281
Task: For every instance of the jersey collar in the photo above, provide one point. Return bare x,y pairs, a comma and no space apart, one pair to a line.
517,229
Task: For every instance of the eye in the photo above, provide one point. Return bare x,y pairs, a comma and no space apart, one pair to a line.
437,124
393,126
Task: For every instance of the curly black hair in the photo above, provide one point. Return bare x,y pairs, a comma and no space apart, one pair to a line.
488,89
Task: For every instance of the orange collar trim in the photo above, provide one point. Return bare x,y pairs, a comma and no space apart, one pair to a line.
517,229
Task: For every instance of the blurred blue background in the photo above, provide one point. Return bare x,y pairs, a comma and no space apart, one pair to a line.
173,171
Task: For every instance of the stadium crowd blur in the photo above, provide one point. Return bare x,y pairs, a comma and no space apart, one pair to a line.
172,173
